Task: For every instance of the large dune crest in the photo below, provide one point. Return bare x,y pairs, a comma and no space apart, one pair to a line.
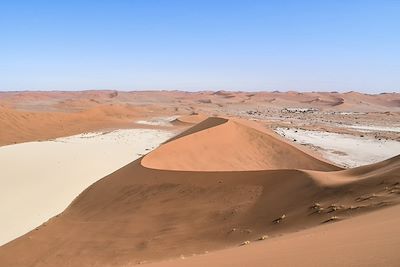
218,144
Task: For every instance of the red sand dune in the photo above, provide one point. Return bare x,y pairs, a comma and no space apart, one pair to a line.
146,214
244,148
22,126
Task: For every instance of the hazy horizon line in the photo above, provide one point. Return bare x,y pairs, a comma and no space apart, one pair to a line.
199,91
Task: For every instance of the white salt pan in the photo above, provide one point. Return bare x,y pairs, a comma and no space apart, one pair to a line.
344,149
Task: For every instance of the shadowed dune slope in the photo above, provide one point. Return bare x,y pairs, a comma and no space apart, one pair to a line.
218,144
368,240
142,214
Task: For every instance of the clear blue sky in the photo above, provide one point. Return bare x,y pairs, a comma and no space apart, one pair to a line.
335,45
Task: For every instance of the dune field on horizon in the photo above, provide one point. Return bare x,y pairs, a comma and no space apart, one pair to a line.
110,178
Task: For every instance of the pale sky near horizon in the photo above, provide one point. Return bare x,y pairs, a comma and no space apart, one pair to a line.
254,45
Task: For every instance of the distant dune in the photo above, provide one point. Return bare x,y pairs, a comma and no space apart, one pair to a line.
192,196
22,126
190,119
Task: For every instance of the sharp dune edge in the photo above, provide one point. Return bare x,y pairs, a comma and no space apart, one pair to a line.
215,186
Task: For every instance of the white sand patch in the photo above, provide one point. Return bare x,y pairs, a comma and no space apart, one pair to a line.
372,128
344,149
159,121
40,179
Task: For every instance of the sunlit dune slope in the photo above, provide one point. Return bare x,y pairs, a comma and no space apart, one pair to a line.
218,144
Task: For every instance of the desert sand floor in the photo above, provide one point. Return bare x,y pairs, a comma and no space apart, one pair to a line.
222,183
40,179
